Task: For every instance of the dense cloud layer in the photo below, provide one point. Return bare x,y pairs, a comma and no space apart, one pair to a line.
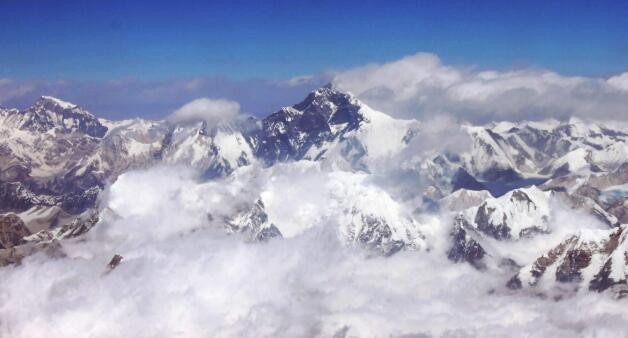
421,85
183,276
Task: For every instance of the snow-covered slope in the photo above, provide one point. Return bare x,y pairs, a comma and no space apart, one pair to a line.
590,259
504,151
295,197
49,113
517,214
215,150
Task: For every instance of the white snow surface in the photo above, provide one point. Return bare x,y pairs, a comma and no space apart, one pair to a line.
518,215
59,102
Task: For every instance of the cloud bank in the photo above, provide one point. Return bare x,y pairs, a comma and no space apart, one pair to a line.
421,86
418,86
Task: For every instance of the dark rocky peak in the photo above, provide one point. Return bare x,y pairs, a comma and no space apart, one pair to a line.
335,106
325,114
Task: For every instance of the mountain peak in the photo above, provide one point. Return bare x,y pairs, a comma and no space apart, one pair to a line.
329,85
52,113
326,101
53,101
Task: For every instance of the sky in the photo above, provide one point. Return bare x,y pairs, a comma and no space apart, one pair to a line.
91,44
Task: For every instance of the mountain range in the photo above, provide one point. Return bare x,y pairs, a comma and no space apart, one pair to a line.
501,189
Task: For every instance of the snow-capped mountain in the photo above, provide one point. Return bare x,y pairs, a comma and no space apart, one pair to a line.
215,150
49,113
594,259
521,213
334,127
321,161
504,151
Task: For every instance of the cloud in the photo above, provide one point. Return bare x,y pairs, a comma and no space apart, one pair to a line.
620,81
422,86
183,276
212,111
416,86
298,80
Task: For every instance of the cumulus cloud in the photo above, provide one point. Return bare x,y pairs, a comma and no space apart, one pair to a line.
619,81
212,111
421,86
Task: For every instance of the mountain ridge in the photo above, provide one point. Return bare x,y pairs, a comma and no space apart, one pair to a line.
58,159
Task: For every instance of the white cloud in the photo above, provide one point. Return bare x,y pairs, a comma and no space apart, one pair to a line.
422,86
204,109
619,81
182,276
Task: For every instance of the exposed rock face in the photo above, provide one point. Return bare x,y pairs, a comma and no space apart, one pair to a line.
253,221
12,231
114,262
375,233
289,133
464,247
74,228
15,255
597,260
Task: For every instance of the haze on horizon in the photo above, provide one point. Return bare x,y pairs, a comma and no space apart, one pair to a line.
123,59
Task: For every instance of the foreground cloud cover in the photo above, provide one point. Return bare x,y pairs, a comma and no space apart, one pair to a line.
181,275
418,86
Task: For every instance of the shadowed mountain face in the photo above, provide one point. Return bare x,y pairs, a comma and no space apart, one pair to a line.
57,159
324,115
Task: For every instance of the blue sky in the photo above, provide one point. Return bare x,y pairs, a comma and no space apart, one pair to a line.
126,58
96,40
